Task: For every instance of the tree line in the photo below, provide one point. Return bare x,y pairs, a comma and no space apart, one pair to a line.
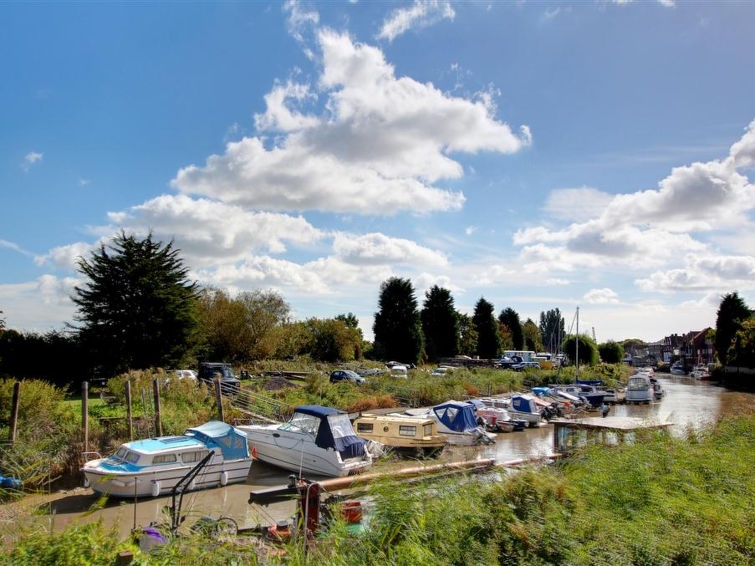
137,308
437,330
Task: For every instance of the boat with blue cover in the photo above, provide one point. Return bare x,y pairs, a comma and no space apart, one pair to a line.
153,466
316,440
457,421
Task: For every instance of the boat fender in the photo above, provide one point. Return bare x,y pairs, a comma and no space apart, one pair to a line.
86,482
155,488
223,478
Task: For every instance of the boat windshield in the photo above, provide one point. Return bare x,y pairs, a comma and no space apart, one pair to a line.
340,425
126,455
303,422
638,384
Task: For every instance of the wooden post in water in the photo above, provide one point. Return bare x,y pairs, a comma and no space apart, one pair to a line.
129,419
14,411
85,413
158,423
219,399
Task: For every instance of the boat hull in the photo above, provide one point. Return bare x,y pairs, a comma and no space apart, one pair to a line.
297,453
153,482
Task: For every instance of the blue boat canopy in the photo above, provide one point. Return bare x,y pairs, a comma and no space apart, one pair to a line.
523,404
541,390
231,441
335,431
457,416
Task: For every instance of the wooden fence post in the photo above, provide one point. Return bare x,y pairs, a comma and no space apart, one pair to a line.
85,413
14,411
129,418
219,399
158,423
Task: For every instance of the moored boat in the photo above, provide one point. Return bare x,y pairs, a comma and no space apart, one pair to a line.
415,435
457,421
153,466
640,389
316,440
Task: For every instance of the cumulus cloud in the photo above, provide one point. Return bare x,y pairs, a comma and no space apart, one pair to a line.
382,144
321,277
207,232
651,227
38,305
65,257
379,249
710,273
601,296
280,113
422,13
30,159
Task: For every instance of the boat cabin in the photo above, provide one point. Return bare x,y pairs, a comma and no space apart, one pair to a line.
569,435
404,433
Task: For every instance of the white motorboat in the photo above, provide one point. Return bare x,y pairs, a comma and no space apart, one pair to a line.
524,407
457,421
153,466
316,440
640,389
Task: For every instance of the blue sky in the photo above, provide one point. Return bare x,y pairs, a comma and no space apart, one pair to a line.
538,154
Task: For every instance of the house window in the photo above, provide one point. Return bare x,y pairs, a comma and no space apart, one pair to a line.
406,430
364,427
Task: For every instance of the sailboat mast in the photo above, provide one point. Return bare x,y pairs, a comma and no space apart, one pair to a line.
576,349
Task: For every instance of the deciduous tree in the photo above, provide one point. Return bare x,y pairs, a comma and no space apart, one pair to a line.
611,352
732,312
532,336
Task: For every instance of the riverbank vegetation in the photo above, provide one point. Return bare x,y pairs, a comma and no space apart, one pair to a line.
660,501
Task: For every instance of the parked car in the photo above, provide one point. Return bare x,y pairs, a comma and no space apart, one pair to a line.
208,371
346,375
186,374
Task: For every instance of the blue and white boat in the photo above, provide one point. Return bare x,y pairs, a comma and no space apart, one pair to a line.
525,408
153,466
316,440
457,421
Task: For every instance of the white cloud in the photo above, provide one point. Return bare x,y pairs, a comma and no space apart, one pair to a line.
299,19
379,249
15,247
30,159
279,115
65,257
40,305
422,13
579,204
207,232
709,273
601,296
652,227
382,144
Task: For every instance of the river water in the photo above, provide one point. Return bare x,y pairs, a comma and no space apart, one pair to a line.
687,403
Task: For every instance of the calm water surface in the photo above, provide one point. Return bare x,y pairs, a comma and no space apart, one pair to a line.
687,403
